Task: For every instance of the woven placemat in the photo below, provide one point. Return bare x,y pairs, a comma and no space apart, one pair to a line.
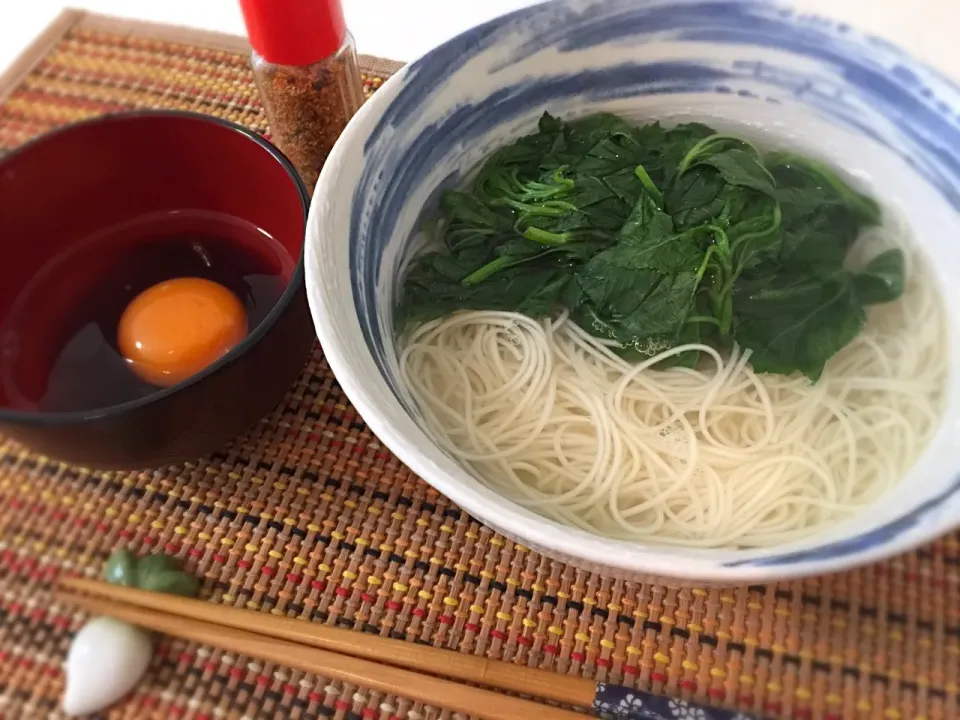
309,515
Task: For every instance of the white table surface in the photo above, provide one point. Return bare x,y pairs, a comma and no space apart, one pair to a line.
404,29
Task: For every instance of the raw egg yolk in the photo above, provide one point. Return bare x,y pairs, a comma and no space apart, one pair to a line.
178,327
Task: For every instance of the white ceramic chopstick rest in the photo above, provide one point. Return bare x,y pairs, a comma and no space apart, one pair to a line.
106,660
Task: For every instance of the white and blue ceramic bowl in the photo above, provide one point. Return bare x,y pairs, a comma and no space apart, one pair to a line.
759,69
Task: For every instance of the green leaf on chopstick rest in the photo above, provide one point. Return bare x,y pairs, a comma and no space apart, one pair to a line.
154,564
171,582
157,573
121,568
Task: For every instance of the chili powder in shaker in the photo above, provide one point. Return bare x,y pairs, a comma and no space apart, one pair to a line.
305,66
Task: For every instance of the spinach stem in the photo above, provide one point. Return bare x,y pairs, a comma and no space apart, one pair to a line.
492,267
549,208
701,271
651,187
726,314
545,237
774,226
720,289
709,319
689,160
501,263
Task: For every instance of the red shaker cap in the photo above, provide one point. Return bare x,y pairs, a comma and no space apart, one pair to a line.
294,32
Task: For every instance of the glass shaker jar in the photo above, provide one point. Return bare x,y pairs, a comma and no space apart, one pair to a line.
305,67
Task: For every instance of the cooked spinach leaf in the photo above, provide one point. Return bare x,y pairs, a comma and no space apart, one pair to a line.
881,279
643,286
656,238
796,323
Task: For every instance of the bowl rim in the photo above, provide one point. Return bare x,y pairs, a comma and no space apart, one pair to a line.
293,285
656,563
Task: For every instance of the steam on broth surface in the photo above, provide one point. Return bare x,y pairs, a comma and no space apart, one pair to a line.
669,336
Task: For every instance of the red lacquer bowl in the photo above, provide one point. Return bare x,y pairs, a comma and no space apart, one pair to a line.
58,191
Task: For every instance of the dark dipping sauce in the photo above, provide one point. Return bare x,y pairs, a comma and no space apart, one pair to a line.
58,345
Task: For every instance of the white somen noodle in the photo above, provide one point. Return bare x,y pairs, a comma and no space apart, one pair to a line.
714,457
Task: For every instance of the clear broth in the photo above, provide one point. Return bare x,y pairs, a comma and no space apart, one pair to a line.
58,347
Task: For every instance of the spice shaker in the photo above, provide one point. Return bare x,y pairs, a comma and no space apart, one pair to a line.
305,66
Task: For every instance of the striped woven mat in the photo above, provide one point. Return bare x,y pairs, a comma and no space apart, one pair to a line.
309,515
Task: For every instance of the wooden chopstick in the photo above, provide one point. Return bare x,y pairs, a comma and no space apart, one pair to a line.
497,674
435,691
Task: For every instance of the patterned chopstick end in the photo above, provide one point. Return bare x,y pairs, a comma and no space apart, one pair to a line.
615,702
